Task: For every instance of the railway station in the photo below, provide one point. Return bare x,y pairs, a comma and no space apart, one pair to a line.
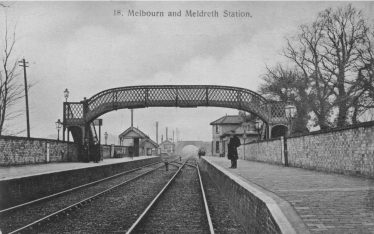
268,190
187,117
259,194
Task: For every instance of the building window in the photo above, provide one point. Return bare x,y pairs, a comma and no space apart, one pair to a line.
217,129
217,146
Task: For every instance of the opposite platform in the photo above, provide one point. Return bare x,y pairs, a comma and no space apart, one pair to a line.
26,183
326,203
7,173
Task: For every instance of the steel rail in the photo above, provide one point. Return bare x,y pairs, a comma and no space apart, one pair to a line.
211,229
72,189
190,165
80,203
141,217
144,213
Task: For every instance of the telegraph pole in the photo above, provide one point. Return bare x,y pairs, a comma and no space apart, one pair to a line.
157,132
24,64
132,118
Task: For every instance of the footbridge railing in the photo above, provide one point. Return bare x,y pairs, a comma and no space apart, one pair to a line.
78,113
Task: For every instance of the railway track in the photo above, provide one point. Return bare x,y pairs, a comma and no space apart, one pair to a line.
42,210
181,206
149,199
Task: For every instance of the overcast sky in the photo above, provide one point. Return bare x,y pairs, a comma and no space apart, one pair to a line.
84,47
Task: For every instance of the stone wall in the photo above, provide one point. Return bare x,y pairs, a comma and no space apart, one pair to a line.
264,151
349,150
20,150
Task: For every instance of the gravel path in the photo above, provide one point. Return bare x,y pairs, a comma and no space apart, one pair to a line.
180,209
114,212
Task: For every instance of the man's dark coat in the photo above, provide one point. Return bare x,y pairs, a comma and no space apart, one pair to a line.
233,144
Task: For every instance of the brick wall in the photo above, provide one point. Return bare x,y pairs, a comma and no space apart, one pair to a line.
347,151
19,151
264,151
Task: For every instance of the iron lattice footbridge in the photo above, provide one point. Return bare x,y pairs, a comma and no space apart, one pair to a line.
80,114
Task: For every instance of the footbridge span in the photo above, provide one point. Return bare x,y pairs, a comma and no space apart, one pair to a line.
78,116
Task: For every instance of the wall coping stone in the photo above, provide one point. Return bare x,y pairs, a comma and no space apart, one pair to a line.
331,130
33,139
261,141
48,140
283,213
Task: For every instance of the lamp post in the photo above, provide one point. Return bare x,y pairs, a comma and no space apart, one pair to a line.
66,94
290,111
87,149
58,127
258,128
106,137
244,138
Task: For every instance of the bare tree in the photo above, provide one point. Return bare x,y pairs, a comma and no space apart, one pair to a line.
334,56
11,89
344,36
304,52
364,100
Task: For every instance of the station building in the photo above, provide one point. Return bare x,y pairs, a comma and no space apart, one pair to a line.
230,125
137,142
167,147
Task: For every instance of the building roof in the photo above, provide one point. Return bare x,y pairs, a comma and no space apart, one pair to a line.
149,140
228,119
131,133
239,131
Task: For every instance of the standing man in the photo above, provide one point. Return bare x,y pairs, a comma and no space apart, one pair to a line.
232,153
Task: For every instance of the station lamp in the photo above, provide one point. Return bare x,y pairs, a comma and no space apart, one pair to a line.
290,111
258,126
106,137
66,94
58,127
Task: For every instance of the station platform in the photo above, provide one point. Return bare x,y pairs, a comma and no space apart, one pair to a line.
20,184
7,173
323,202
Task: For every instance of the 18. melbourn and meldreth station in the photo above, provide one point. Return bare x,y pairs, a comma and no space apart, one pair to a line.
187,13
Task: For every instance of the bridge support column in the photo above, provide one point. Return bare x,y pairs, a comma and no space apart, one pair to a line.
269,131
